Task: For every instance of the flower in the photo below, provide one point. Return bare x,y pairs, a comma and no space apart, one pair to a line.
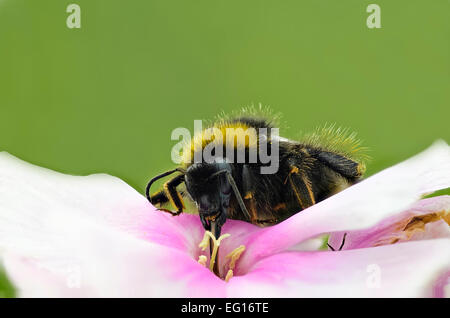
95,236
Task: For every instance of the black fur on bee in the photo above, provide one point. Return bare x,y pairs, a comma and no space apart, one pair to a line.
309,171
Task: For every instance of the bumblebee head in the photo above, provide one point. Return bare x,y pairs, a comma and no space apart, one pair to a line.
209,186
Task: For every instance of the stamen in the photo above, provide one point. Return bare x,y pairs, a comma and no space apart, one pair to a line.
229,275
235,255
205,241
215,249
202,260
216,243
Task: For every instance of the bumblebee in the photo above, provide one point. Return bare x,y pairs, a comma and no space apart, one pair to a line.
309,171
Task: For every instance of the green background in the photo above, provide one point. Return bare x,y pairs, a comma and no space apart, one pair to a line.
106,97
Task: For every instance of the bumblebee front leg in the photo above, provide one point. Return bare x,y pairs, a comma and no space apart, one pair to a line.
170,193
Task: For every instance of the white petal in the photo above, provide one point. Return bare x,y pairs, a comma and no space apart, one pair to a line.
392,229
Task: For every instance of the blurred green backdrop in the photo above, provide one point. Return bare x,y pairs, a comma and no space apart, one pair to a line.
105,98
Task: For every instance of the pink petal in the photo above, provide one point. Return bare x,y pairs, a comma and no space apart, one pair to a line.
388,192
53,224
401,270
99,262
391,230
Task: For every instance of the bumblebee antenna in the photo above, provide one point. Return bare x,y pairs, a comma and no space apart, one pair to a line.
165,174
235,190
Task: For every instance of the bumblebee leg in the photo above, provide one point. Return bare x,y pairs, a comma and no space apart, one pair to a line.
342,244
342,165
235,189
331,247
301,185
237,194
170,193
159,197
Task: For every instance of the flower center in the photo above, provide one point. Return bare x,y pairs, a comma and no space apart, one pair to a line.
233,256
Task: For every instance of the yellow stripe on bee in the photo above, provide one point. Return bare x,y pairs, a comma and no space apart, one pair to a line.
237,135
